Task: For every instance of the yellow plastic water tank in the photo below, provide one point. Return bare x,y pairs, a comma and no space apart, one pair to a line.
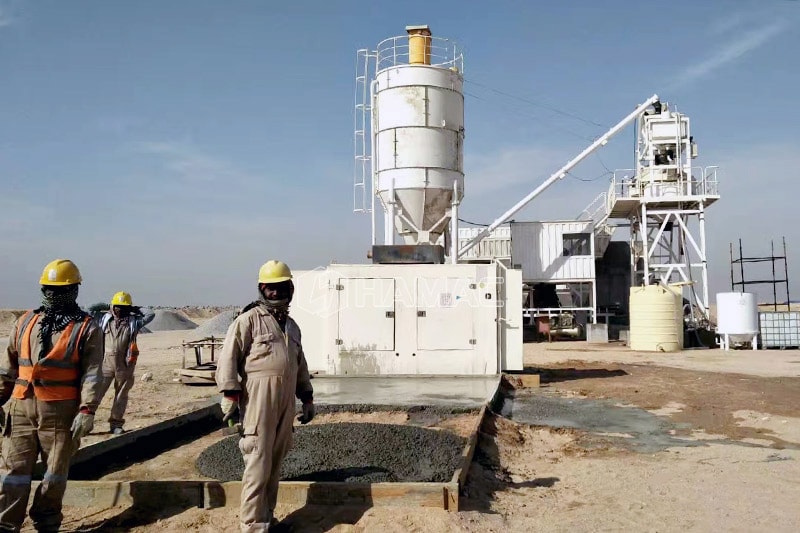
656,319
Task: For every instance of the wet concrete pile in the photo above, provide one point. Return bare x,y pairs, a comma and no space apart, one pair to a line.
351,452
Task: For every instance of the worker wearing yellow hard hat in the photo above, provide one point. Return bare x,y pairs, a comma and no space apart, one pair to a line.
263,344
50,375
121,326
121,299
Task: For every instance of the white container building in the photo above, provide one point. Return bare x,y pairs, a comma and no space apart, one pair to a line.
560,253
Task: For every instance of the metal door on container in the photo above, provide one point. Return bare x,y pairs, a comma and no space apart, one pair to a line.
366,314
445,312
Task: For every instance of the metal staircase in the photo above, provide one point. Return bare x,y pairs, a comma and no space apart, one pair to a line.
598,211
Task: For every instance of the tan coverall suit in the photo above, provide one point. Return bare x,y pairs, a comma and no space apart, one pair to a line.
116,369
33,426
273,370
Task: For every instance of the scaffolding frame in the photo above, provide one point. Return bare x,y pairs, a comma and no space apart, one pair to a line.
741,261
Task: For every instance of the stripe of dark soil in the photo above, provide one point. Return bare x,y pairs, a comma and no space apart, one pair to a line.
710,398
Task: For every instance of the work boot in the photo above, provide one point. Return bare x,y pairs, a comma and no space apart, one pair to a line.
279,526
47,527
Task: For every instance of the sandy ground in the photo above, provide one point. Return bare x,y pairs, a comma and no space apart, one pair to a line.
767,363
735,465
163,396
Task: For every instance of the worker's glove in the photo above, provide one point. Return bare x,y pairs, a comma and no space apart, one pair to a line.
230,407
133,355
83,424
308,413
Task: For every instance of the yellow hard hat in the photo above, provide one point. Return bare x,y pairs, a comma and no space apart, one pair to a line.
274,272
60,272
121,298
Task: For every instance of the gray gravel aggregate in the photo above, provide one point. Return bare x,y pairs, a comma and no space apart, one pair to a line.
351,452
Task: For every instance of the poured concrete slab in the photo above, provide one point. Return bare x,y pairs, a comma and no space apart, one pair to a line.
457,391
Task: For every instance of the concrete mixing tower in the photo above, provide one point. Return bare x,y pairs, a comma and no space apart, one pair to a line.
665,203
409,138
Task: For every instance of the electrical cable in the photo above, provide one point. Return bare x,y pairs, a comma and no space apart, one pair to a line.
571,175
533,116
608,170
473,223
537,104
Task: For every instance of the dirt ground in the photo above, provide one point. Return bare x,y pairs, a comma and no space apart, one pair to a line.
736,468
163,396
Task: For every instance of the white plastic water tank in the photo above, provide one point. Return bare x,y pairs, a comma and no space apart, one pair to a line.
737,314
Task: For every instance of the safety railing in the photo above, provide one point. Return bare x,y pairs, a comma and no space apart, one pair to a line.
625,184
439,52
597,210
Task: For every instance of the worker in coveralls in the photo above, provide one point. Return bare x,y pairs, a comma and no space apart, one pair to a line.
121,324
51,374
263,348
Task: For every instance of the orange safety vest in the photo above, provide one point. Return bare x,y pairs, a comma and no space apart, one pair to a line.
55,376
133,349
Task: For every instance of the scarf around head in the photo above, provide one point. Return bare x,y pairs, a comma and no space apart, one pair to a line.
59,308
279,309
121,321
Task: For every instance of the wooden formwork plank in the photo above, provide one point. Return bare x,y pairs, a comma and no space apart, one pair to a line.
194,373
523,381
143,493
210,494
460,475
341,493
90,452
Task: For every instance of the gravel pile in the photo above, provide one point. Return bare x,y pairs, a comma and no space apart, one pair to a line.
350,452
217,326
170,321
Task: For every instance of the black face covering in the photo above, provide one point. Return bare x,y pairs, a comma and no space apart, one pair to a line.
59,308
121,311
121,314
278,306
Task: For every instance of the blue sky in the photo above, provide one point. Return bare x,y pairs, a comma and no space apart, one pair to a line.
169,148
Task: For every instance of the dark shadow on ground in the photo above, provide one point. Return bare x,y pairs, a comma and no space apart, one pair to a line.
134,516
554,375
151,502
487,476
320,518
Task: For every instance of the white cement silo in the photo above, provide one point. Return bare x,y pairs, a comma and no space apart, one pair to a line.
418,125
737,318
